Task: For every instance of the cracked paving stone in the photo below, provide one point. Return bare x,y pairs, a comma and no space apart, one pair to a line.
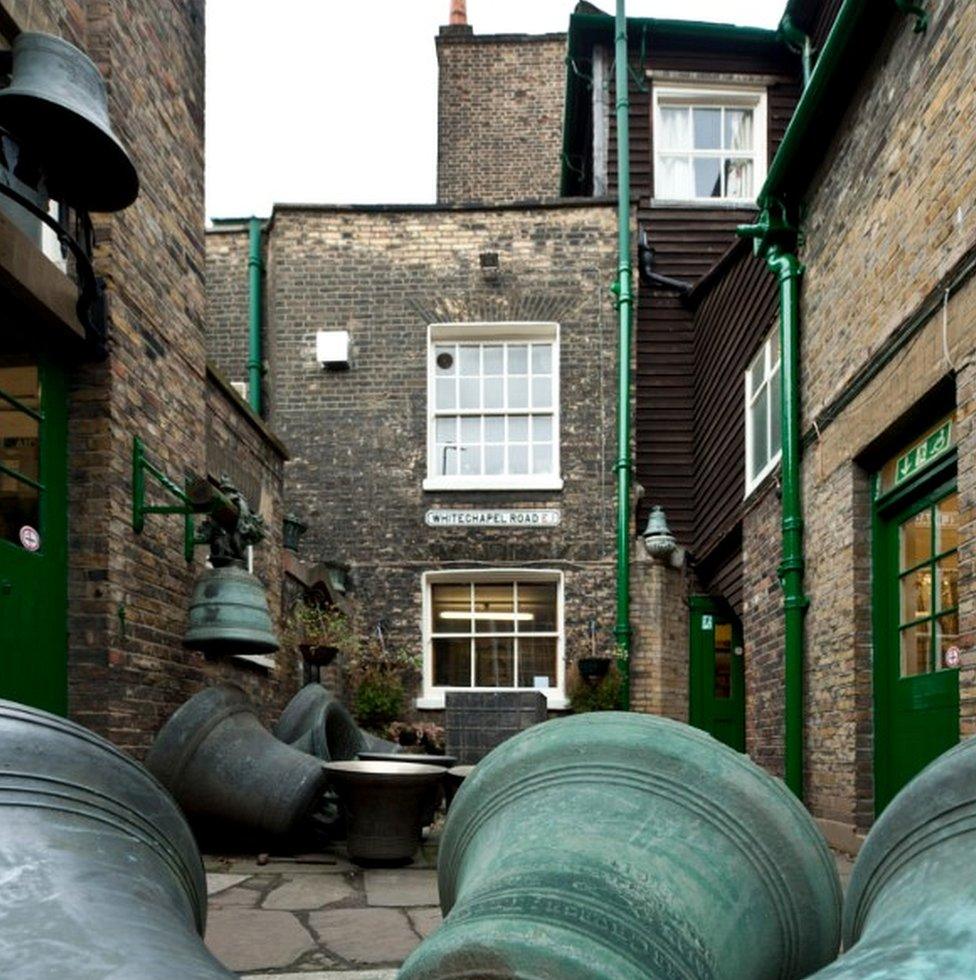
425,920
240,898
401,887
253,939
365,935
221,882
309,892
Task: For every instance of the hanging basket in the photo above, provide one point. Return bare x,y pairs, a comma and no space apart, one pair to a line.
318,655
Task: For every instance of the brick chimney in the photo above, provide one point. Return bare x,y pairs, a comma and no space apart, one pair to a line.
458,20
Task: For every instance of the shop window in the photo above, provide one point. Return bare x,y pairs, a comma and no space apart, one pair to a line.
493,407
709,143
763,436
493,631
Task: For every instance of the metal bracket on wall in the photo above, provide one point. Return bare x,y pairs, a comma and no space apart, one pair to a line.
140,467
917,11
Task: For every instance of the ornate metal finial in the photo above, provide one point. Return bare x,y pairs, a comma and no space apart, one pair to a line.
230,525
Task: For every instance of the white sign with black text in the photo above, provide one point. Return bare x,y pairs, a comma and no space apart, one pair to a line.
525,517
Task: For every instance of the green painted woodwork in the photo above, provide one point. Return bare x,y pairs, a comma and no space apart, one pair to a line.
140,467
33,585
622,846
623,288
916,694
716,674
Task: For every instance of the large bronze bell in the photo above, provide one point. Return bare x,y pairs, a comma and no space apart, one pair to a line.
229,614
57,106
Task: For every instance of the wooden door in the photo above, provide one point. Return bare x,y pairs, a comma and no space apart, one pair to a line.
717,672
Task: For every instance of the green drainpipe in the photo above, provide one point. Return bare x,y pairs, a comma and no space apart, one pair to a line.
254,359
621,630
798,41
776,240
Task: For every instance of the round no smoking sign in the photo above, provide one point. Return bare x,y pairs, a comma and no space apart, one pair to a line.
29,538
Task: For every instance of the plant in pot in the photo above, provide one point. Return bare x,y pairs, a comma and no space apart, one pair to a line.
379,676
596,693
319,633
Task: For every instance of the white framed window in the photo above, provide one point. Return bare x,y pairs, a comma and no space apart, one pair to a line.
493,406
489,630
709,143
763,435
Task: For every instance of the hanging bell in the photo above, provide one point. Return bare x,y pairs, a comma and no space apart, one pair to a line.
56,105
229,614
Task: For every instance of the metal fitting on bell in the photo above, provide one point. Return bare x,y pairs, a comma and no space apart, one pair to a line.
658,539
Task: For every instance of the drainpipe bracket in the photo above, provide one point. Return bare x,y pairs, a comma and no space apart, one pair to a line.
917,11
774,233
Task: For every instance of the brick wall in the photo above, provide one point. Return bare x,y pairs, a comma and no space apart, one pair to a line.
227,301
500,116
358,437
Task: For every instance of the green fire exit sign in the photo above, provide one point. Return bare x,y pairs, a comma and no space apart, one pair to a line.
924,452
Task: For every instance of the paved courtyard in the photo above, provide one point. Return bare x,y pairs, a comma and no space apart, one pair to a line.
317,916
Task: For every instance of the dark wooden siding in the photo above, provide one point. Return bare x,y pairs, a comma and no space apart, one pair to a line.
815,17
734,316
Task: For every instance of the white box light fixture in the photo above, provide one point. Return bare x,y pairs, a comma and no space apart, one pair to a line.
332,348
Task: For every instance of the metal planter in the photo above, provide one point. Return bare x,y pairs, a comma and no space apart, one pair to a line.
616,846
101,876
910,911
229,774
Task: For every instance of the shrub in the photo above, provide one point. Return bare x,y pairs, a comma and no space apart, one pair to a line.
426,736
378,700
604,695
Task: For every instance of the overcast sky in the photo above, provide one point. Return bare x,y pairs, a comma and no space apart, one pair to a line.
334,101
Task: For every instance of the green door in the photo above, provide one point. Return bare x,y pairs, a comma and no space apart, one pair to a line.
33,530
916,631
716,672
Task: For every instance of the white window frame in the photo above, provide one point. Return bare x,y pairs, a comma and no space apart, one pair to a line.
717,96
772,372
517,332
433,697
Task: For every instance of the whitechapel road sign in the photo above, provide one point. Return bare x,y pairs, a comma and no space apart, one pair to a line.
525,517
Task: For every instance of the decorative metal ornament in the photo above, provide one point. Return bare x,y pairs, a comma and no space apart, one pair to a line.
101,875
56,105
658,539
621,846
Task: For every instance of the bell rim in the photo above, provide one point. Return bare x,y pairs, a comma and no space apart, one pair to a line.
109,155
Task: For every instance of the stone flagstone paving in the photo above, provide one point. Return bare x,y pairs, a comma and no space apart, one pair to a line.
319,916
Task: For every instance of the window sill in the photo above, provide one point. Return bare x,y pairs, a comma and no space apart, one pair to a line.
506,483
704,203
555,701
763,475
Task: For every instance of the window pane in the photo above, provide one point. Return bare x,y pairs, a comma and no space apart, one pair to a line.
19,507
445,394
494,360
444,359
518,392
915,650
775,419
470,460
495,428
542,428
541,457
947,634
708,177
494,608
916,539
760,447
537,658
542,358
471,429
947,528
518,428
447,459
541,393
757,371
773,349
518,459
675,129
446,429
738,178
450,606
494,460
518,359
738,129
675,178
708,129
469,361
470,393
947,585
494,393
452,662
494,660
722,687
537,599
916,594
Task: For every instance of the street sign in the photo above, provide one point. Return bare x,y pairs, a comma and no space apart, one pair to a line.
516,518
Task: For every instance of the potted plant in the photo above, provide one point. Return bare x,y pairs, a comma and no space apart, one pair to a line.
379,676
320,633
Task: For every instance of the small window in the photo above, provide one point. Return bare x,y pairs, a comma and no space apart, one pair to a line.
709,144
492,630
493,407
763,438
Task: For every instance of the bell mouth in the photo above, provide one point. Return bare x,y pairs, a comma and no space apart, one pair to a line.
405,758
367,771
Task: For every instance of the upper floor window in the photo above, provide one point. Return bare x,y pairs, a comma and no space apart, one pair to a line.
763,437
709,143
493,407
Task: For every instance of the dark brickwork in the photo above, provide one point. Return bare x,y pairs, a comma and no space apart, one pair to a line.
227,301
500,116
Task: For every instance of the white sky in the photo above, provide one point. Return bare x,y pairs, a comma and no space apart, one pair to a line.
334,101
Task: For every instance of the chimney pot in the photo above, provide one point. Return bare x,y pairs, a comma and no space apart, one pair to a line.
459,12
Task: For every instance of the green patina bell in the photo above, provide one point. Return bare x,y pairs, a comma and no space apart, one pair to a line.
229,614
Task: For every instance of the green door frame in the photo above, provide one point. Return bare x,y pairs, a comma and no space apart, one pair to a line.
722,718
889,510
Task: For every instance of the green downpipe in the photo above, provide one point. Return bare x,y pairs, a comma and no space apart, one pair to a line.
625,301
800,42
254,357
788,270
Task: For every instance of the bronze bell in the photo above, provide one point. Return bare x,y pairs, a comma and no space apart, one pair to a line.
229,614
56,105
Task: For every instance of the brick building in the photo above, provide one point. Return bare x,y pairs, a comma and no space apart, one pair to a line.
93,613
